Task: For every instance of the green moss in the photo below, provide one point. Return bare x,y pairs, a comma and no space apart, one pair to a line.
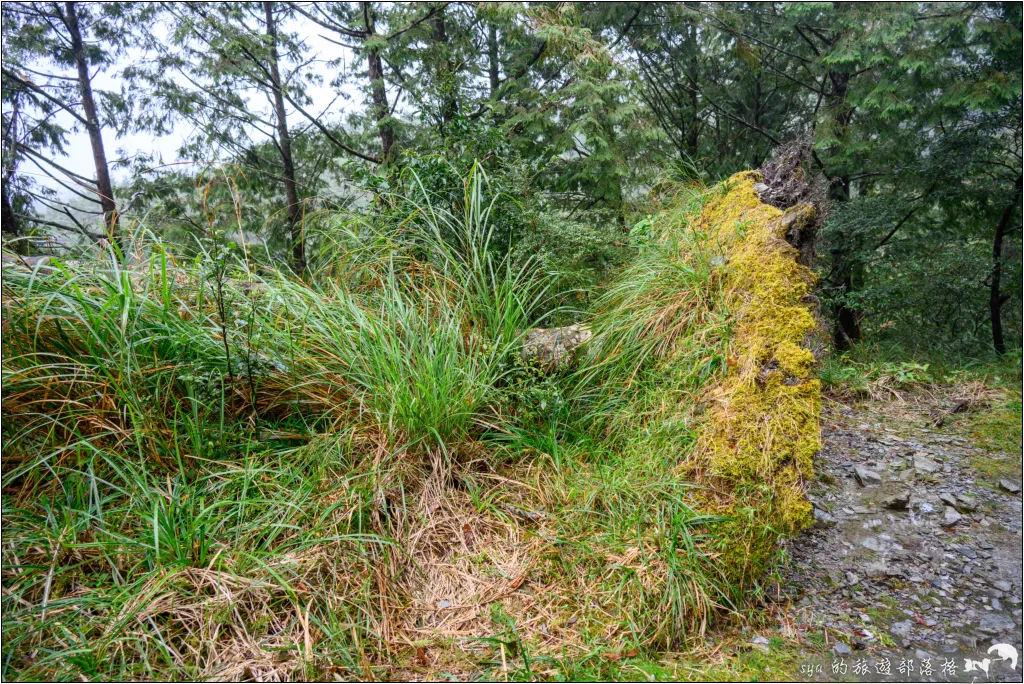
763,425
999,428
997,468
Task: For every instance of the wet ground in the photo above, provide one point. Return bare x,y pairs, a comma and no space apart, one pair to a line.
913,570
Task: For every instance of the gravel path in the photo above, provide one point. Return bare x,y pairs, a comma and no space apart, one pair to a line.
916,559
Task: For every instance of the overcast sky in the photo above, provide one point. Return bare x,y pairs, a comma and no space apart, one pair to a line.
79,151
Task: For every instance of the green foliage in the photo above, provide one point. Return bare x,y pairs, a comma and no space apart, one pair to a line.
844,373
576,111
888,365
661,307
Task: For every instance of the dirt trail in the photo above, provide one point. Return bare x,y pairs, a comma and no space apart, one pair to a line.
916,559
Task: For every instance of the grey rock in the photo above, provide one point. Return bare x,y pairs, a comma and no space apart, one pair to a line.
1009,486
948,499
994,623
760,642
867,477
967,640
923,464
841,649
908,475
897,501
966,503
877,569
901,629
552,347
873,543
822,518
952,517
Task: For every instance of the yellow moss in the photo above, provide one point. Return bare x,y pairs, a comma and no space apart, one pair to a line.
762,427
793,359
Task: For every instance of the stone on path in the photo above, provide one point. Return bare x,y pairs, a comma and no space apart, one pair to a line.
898,501
867,477
760,642
1009,486
923,464
952,517
823,518
966,503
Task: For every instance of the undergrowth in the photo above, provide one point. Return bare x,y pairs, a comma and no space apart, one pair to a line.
214,470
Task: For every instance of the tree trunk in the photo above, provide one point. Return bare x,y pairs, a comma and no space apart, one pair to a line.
847,319
492,58
284,143
378,93
445,72
693,133
99,156
995,299
756,158
9,222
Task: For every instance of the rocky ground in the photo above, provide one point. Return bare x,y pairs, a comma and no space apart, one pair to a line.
913,571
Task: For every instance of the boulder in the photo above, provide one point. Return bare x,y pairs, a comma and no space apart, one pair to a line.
551,348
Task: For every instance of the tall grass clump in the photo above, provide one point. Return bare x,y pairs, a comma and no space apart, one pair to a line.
663,315
150,532
196,451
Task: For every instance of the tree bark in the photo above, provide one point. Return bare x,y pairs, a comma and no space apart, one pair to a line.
847,318
284,143
996,299
103,185
378,93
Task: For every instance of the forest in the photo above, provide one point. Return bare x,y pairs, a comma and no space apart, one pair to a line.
464,340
